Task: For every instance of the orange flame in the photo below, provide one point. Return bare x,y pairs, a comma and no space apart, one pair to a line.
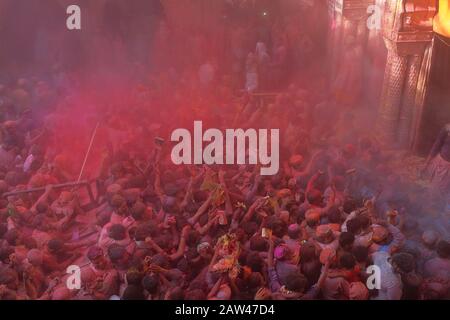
441,23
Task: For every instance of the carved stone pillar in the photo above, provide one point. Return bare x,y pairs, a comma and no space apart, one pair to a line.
408,34
348,21
335,37
408,105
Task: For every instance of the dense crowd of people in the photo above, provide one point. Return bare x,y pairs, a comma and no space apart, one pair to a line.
146,229
159,231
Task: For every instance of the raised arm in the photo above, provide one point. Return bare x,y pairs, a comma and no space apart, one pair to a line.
188,195
213,292
274,281
252,193
312,182
324,273
228,205
181,245
43,197
204,230
309,166
158,189
193,220
155,246
251,211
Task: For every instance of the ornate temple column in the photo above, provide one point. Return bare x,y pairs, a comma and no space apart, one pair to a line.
375,60
408,34
334,37
348,21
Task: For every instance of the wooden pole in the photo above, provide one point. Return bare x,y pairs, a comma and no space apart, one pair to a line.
56,186
88,151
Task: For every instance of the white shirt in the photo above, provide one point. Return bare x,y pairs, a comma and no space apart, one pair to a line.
391,286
